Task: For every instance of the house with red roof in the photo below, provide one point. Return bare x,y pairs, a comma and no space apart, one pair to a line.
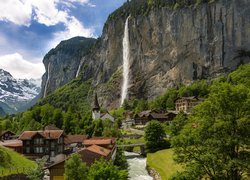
94,149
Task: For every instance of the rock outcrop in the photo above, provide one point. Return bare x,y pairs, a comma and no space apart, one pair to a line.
167,48
62,64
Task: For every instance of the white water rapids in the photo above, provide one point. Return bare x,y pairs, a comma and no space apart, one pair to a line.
126,56
47,81
137,167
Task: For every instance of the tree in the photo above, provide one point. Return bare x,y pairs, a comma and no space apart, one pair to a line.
103,169
154,136
177,124
215,141
75,168
38,172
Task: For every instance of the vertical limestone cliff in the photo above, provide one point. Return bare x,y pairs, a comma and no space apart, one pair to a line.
167,48
62,63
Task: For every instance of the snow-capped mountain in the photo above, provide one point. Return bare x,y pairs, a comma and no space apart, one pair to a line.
16,93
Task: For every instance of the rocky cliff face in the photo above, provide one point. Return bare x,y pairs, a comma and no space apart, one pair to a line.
63,63
168,48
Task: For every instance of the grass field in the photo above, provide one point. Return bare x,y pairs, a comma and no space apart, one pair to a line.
12,163
162,161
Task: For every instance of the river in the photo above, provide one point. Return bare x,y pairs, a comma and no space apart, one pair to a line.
137,166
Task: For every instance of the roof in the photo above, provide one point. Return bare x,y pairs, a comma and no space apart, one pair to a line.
47,134
97,141
158,116
69,139
3,132
11,143
99,150
190,98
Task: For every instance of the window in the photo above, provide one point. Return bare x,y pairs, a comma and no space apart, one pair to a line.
27,142
38,150
38,141
52,153
60,149
60,140
52,144
27,150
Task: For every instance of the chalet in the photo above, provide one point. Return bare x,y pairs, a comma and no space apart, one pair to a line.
6,135
186,104
89,154
145,116
96,113
41,143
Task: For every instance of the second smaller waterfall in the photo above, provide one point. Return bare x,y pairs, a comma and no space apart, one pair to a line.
47,81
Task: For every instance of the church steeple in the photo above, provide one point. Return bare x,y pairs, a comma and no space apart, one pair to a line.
96,105
96,108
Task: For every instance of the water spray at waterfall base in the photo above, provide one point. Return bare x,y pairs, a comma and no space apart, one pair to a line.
126,57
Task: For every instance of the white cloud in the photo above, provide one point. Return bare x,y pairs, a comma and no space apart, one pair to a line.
21,68
73,28
47,13
16,11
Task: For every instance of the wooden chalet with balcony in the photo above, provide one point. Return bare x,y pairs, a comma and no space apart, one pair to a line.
41,143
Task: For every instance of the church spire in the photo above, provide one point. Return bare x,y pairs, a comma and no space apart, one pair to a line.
96,105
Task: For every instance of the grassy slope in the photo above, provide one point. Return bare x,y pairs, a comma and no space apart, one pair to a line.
162,161
15,163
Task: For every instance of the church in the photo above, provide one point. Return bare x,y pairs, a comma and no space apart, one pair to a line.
96,112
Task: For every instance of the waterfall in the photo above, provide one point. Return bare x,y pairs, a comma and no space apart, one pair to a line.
79,68
47,81
126,56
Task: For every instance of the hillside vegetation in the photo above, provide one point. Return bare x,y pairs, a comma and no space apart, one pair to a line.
11,162
143,7
69,106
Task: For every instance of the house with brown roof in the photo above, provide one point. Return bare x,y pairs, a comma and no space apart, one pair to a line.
89,154
40,143
145,116
186,104
6,135
108,143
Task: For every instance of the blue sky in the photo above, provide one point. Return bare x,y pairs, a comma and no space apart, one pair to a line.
30,28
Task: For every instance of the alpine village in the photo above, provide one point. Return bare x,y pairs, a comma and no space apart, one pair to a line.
163,93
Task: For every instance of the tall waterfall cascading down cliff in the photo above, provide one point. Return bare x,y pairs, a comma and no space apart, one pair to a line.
126,64
79,68
47,81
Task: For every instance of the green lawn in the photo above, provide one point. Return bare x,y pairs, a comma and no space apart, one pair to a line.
162,161
12,162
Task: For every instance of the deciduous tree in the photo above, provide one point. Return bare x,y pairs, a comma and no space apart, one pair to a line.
215,141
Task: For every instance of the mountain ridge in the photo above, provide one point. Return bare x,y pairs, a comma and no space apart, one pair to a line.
16,94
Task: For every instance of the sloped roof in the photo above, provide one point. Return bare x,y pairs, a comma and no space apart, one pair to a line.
190,98
69,139
47,134
158,116
99,150
3,132
11,143
97,141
